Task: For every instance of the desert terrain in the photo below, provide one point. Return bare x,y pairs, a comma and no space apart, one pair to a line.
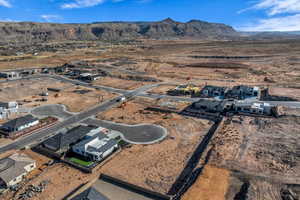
247,158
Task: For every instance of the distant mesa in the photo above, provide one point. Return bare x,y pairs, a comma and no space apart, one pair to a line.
110,31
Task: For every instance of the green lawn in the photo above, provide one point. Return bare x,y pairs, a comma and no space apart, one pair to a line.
81,162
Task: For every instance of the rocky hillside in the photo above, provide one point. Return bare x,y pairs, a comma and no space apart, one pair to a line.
166,29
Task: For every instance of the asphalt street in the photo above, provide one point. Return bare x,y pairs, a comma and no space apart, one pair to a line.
55,110
292,104
45,133
134,134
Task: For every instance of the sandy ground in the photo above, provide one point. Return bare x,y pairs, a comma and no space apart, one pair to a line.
162,89
62,179
17,90
211,185
70,96
154,166
5,141
267,148
76,102
238,146
287,92
119,83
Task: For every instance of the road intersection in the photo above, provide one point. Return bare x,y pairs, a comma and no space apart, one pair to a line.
77,118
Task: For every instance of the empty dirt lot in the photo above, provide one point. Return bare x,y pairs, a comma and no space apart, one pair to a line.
156,166
212,184
75,98
263,150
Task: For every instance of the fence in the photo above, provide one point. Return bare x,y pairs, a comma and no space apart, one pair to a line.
134,188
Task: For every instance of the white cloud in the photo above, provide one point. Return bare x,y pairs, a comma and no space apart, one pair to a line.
5,3
91,3
286,23
274,7
51,18
81,4
281,15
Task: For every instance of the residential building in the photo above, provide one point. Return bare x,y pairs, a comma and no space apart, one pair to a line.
95,147
212,105
8,108
64,140
14,169
19,124
242,92
213,91
9,75
253,107
89,77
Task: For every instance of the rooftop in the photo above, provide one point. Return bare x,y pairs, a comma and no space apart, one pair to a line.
21,121
90,194
63,140
98,143
13,166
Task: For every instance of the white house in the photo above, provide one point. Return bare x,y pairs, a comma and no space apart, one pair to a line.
14,169
95,147
19,124
8,108
253,107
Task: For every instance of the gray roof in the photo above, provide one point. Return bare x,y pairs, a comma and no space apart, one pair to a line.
90,194
13,166
108,145
242,88
3,105
214,88
21,121
62,140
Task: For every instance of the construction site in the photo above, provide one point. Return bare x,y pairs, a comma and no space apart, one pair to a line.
176,119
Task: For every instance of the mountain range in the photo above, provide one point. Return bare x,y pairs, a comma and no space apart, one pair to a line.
165,29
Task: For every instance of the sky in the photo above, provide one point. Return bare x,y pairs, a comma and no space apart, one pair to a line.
243,15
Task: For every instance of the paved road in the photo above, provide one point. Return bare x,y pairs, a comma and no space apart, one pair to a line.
54,110
292,104
43,134
40,135
134,134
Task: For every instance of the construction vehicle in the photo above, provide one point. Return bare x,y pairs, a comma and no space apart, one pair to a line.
188,89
